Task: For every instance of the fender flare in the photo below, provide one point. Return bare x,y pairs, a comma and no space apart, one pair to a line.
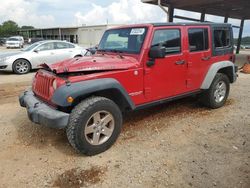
86,88
214,69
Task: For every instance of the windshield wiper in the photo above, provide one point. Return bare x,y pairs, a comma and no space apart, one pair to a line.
101,50
117,51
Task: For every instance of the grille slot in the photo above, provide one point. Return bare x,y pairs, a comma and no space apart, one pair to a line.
42,85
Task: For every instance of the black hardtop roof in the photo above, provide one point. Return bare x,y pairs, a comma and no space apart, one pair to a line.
192,24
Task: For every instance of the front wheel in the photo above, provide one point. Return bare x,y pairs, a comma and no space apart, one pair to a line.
94,125
217,94
21,66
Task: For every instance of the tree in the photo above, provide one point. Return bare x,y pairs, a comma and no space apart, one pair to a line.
27,27
8,28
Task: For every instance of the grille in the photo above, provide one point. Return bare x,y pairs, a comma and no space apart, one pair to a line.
43,85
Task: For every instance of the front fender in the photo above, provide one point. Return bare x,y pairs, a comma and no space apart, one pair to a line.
85,88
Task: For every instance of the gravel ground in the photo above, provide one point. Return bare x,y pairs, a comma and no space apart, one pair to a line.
179,144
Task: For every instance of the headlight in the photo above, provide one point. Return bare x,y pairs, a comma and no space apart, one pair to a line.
54,84
4,59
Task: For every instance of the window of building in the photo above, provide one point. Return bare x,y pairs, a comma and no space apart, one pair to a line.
198,39
169,38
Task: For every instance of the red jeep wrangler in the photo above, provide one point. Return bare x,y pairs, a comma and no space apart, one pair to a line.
135,66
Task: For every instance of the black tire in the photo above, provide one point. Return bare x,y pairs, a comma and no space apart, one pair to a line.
26,66
208,97
77,56
79,118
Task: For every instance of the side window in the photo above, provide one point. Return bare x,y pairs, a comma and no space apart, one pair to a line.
63,45
198,39
71,46
169,38
222,38
47,46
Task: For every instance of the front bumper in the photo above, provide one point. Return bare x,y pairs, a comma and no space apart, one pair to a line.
41,113
3,67
13,45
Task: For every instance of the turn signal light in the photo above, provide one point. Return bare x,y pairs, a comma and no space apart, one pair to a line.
70,99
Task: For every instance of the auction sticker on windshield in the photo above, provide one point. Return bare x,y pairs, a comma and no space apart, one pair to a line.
137,31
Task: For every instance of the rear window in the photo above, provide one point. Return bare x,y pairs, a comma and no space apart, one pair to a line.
222,38
198,39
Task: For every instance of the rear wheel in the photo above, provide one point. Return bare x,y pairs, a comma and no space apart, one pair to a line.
94,125
77,56
217,94
21,66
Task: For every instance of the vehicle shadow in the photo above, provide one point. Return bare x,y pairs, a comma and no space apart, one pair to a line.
150,119
12,73
167,111
40,137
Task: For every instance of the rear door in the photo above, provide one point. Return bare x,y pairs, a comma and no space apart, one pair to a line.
199,55
64,50
167,76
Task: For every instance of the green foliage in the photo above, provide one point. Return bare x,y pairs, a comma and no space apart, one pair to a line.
27,27
8,28
244,41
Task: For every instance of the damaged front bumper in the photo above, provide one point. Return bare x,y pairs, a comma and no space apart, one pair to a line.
41,113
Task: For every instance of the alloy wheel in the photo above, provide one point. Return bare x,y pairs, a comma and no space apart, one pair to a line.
99,127
220,91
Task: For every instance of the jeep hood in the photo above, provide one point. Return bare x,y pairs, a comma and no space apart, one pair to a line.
93,63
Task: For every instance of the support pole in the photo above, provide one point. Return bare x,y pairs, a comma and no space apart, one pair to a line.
60,34
203,14
226,19
240,36
186,18
170,14
164,9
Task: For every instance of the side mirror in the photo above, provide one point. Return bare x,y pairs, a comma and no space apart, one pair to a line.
157,52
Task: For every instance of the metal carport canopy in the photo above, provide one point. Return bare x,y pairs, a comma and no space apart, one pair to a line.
239,9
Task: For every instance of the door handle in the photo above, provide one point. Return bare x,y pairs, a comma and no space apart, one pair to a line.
180,62
205,58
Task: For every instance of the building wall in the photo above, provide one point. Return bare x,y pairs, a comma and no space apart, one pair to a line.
86,36
90,36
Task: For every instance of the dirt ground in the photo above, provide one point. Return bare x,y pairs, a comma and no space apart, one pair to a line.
179,144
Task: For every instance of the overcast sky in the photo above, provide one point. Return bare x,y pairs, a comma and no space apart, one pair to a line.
51,13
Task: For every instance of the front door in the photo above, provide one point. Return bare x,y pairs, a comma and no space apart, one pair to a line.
167,77
44,53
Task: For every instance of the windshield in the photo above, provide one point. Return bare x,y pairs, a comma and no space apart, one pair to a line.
31,47
13,39
128,40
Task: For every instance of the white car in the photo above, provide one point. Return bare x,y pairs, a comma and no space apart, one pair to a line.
14,42
38,53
